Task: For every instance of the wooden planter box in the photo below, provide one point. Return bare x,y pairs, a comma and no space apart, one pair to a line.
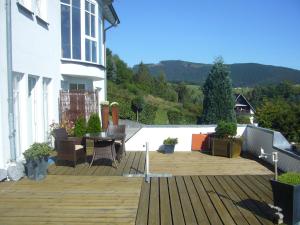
226,147
287,197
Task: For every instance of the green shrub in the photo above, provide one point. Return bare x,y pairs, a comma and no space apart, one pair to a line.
80,127
147,116
174,116
94,124
226,129
171,141
37,151
242,119
291,178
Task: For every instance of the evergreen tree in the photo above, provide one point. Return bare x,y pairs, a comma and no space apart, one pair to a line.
94,123
218,103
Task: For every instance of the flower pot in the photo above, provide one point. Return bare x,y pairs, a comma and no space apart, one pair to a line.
37,169
105,116
115,114
169,149
287,197
226,147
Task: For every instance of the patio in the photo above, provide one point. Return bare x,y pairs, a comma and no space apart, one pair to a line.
235,192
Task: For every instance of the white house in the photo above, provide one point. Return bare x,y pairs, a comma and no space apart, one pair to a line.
47,46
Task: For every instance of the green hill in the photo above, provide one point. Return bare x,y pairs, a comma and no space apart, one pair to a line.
242,74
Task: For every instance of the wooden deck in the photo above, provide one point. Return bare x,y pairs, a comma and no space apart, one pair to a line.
177,164
70,200
216,200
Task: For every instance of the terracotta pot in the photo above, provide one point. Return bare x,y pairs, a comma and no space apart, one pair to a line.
115,114
105,116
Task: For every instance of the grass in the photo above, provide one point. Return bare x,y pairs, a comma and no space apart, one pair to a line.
291,178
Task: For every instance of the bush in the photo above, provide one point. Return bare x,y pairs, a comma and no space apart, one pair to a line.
171,141
37,151
94,124
148,115
174,116
290,178
241,119
225,129
80,127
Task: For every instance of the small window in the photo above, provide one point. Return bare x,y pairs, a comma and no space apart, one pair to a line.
77,87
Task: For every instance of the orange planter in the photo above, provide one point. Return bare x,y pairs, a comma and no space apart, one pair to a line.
199,142
105,116
115,114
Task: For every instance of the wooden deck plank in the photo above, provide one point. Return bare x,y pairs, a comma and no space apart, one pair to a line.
187,208
209,207
248,198
142,215
70,200
231,207
196,202
154,210
129,163
135,164
259,186
218,204
252,220
177,214
165,210
141,167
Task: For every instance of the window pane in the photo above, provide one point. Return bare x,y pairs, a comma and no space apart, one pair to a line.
76,3
73,87
87,24
87,50
65,31
94,51
93,26
87,6
81,87
65,1
92,8
76,33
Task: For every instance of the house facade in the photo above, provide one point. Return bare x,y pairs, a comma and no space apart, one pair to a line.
244,108
47,46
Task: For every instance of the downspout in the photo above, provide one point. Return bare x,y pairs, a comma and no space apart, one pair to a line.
105,80
10,82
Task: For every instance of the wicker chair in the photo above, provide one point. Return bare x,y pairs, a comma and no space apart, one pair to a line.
68,148
119,144
104,150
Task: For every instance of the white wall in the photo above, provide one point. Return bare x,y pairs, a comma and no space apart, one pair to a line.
155,135
4,141
271,141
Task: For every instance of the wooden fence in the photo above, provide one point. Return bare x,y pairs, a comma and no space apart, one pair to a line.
73,104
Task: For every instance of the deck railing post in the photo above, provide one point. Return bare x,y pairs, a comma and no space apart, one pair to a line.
147,177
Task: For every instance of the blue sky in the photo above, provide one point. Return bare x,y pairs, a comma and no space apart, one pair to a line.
260,31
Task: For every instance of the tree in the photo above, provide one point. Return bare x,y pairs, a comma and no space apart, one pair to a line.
111,66
218,103
94,125
138,104
181,91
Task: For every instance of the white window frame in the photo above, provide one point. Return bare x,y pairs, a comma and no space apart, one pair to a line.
41,7
71,35
89,37
26,4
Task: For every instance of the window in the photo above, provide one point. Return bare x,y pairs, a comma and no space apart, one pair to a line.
90,32
71,29
26,3
80,87
41,9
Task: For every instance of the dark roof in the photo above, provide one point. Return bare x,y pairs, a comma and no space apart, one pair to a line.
237,96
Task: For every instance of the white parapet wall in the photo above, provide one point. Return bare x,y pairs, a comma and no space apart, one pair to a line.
258,138
155,135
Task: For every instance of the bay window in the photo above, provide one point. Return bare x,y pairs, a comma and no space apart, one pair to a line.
79,30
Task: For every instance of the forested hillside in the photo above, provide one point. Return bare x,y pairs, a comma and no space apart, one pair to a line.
242,74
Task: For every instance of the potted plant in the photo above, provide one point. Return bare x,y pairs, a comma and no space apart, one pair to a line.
37,160
115,112
286,195
104,114
224,142
169,144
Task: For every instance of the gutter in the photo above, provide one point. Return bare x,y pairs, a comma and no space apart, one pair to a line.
10,83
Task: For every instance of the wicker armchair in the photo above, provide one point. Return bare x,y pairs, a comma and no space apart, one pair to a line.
68,148
104,150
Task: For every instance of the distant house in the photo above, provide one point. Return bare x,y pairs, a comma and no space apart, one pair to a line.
243,107
47,46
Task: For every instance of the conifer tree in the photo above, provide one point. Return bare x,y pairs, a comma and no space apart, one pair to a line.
218,103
